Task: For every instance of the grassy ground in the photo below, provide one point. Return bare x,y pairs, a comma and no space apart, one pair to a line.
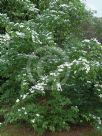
18,131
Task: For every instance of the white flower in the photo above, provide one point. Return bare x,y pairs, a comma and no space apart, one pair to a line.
94,117
17,100
52,74
67,64
95,40
21,95
19,110
100,86
20,34
32,91
33,120
44,78
24,96
7,36
59,88
23,108
76,106
21,25
60,70
75,72
0,123
35,36
100,95
87,68
86,40
89,82
98,127
99,122
61,66
37,115
99,90
39,87
96,85
25,113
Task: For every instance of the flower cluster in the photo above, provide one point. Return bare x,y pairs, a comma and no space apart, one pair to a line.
38,87
96,119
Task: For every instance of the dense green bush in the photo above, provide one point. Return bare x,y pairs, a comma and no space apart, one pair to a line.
51,78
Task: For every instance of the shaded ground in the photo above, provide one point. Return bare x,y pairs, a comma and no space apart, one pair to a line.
18,131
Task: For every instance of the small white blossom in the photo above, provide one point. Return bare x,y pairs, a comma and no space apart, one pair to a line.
53,74
87,69
95,40
61,66
86,40
59,88
17,100
100,95
39,87
23,108
32,91
98,127
60,70
0,123
99,122
24,96
89,82
19,110
33,120
21,25
25,113
44,78
20,34
21,95
7,36
76,106
37,115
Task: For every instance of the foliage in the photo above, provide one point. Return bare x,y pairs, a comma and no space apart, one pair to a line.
92,28
52,77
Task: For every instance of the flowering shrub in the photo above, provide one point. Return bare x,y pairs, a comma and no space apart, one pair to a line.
52,78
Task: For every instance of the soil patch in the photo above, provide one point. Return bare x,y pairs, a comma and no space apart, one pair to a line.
12,130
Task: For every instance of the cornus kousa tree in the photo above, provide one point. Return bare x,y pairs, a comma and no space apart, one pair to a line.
49,77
